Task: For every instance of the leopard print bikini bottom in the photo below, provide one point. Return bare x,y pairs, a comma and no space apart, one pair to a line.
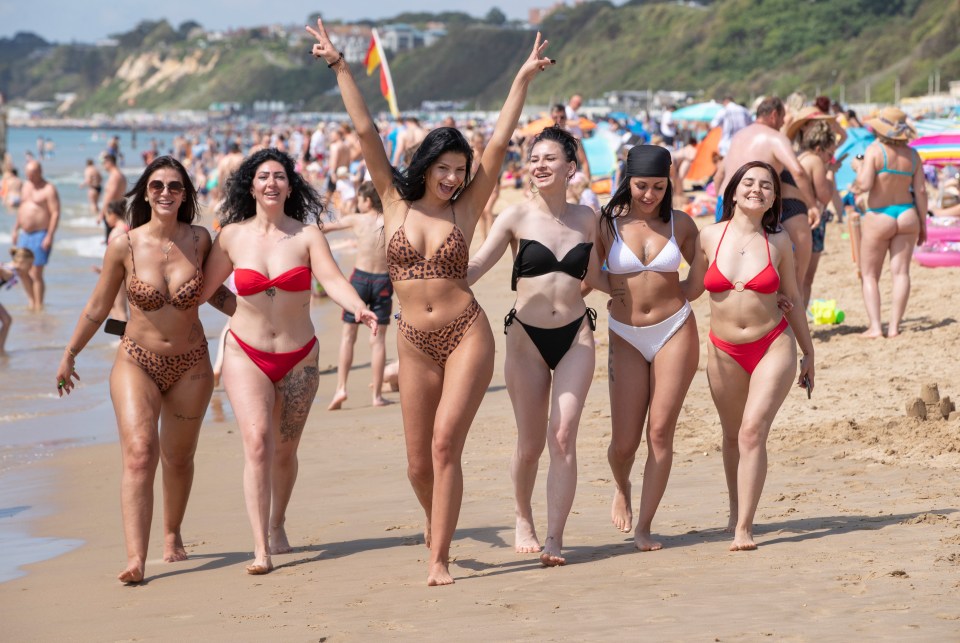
440,343
165,371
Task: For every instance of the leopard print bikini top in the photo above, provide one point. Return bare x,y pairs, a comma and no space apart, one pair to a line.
405,262
145,297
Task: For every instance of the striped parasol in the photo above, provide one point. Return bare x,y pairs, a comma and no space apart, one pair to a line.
939,149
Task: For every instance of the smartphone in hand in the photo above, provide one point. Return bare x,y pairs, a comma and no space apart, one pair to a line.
115,327
808,386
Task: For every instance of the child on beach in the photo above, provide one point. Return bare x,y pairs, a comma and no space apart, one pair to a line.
372,283
22,262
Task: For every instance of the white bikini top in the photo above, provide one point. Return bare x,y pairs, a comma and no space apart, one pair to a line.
622,260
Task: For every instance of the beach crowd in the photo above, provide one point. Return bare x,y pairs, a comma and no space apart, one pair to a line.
414,195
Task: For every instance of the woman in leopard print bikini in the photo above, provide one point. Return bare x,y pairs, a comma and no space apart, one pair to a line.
445,344
161,380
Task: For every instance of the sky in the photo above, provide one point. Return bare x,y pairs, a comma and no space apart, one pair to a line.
91,20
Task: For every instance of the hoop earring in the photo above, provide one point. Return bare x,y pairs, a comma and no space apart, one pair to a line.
533,188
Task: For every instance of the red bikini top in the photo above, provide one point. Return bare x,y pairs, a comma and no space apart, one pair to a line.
766,281
250,282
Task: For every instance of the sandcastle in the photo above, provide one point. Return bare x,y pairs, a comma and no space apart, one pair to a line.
931,405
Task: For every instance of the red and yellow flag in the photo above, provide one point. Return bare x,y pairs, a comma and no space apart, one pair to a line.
375,57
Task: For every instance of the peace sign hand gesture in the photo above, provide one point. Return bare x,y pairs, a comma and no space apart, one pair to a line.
323,47
536,62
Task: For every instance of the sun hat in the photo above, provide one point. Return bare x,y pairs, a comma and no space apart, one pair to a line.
804,116
891,123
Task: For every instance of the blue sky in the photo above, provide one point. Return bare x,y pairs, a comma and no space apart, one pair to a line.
90,20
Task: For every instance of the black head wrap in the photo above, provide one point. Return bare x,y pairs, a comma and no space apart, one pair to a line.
648,160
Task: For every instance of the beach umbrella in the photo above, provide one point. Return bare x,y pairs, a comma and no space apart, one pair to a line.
703,167
938,149
699,112
858,138
535,127
601,150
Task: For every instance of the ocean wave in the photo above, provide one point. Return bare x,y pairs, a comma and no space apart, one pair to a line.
84,246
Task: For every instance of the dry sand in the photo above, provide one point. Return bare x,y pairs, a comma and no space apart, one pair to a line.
858,530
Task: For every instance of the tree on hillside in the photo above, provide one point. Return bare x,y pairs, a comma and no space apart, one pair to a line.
495,17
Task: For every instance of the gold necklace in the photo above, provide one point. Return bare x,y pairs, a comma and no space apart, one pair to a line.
743,250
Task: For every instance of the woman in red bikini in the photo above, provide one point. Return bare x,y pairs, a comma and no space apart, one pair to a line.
444,340
161,380
270,357
752,348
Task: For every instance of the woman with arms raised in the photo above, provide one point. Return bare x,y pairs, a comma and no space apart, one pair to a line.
753,345
654,348
444,341
550,348
270,357
161,380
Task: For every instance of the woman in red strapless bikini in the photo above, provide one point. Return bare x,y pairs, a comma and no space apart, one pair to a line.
270,357
444,340
752,348
161,380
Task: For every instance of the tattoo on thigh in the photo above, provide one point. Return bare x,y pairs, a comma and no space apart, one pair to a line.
186,418
298,389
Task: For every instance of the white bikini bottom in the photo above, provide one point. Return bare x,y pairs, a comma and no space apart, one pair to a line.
650,339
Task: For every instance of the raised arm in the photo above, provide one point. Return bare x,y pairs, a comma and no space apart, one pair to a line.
373,153
476,194
500,235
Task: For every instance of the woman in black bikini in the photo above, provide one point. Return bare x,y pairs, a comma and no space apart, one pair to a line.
161,380
444,340
550,349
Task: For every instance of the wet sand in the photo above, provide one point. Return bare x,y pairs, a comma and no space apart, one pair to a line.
858,527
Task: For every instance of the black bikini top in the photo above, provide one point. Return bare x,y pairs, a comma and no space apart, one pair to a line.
535,259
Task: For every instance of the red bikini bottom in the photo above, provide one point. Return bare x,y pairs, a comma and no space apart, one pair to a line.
275,365
748,355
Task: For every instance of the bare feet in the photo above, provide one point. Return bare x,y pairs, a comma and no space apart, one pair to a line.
379,401
743,541
645,542
892,332
278,541
339,397
872,333
173,551
551,553
732,523
133,574
622,512
525,538
439,575
260,567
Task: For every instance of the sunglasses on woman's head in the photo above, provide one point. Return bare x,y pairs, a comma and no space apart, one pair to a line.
175,188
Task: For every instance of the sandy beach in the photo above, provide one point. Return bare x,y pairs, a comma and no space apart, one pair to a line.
858,527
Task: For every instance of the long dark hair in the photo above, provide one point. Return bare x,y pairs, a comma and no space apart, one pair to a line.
239,204
139,209
619,203
411,182
771,218
567,142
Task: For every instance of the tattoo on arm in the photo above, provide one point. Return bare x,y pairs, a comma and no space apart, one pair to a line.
224,300
92,320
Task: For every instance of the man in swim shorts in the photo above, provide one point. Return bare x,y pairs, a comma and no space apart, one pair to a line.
36,223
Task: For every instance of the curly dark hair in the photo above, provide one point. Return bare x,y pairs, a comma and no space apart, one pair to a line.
138,208
771,218
567,141
239,204
410,183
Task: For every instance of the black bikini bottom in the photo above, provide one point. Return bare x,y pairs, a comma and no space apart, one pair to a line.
553,343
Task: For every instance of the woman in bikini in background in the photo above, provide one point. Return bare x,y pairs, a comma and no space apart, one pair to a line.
896,217
550,349
161,380
753,345
270,369
654,346
444,340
